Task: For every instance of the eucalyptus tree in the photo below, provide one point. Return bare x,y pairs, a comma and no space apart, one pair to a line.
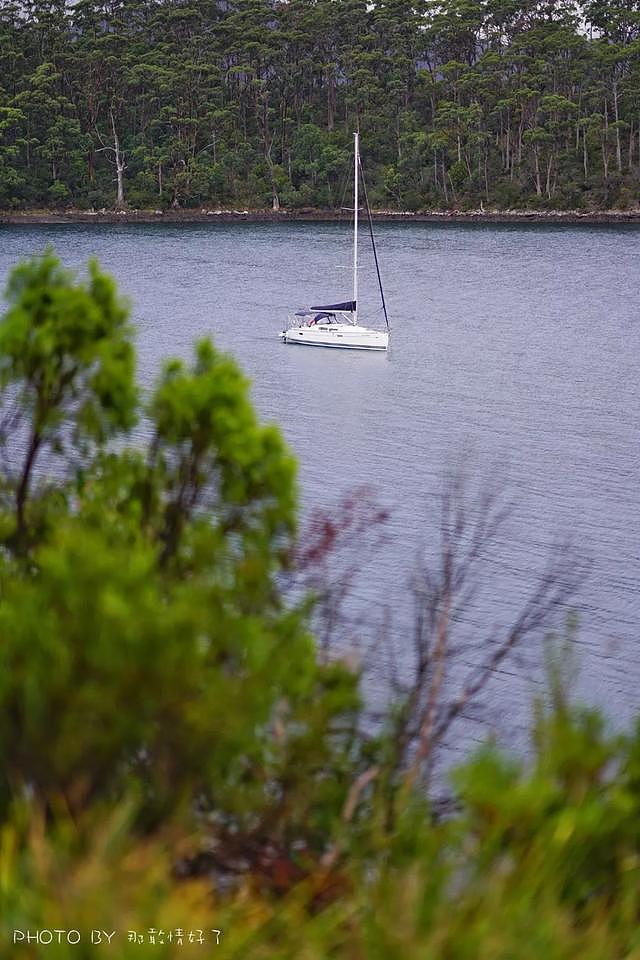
156,102
149,652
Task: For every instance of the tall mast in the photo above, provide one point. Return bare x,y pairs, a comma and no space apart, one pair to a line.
356,154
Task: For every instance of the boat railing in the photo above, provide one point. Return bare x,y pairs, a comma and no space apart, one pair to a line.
305,318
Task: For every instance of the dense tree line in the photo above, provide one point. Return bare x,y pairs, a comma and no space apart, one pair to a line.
183,103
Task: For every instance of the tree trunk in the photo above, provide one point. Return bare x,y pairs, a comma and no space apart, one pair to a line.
616,114
605,145
537,164
331,99
120,202
585,157
267,143
520,133
25,479
120,166
486,172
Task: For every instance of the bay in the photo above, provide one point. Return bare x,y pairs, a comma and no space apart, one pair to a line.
514,353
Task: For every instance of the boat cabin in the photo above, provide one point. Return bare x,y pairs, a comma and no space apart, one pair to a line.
322,318
334,313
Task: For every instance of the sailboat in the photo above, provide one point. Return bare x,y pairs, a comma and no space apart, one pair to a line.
336,324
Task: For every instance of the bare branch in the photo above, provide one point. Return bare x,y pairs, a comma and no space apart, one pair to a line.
444,591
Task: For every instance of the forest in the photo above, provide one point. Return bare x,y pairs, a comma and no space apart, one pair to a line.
215,103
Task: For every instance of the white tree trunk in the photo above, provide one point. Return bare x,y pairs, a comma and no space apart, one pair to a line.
120,166
536,155
617,116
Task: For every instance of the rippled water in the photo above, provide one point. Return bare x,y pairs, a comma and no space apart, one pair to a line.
515,350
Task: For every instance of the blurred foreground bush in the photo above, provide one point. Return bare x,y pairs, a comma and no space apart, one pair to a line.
537,863
176,756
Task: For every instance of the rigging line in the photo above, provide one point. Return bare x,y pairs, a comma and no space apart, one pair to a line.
373,242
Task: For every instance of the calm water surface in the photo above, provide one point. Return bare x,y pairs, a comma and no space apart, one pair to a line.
514,349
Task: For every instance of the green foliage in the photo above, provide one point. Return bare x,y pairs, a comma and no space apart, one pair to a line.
68,350
537,860
67,366
146,644
255,103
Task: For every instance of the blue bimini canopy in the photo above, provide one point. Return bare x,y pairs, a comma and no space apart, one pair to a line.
348,307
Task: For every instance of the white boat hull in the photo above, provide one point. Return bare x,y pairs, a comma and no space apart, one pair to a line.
341,336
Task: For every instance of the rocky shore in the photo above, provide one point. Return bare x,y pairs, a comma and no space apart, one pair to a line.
270,216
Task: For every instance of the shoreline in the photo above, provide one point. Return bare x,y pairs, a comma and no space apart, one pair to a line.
205,215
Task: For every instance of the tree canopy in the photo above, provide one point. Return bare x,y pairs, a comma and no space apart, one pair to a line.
145,639
158,103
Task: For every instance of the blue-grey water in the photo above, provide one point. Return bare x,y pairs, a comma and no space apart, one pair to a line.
514,352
